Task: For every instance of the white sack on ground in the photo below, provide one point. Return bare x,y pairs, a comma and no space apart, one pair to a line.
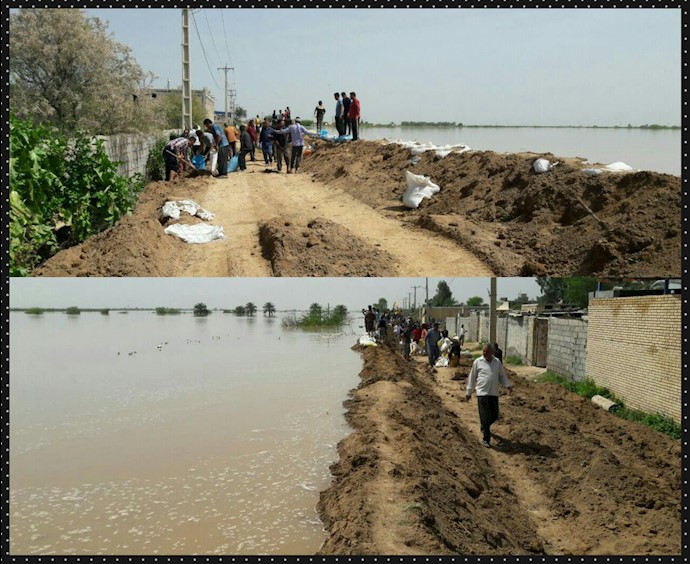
418,188
173,209
367,341
442,362
543,165
619,167
199,233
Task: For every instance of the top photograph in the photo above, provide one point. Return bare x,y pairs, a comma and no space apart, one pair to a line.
345,143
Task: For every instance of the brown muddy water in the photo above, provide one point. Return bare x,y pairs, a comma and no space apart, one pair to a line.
214,436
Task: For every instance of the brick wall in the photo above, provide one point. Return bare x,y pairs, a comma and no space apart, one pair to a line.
567,347
634,350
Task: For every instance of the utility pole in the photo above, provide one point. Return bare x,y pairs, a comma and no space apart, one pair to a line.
186,73
492,312
426,302
415,295
409,300
226,68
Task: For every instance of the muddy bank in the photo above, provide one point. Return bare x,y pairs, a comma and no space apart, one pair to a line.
563,477
559,223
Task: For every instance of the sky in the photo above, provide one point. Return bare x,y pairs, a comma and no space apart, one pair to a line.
226,293
475,66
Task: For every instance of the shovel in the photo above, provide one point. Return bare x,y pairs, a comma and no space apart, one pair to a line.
180,158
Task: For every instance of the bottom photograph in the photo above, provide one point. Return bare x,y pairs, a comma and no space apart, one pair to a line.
345,416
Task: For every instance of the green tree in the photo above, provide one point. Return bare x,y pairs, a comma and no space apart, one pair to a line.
250,308
66,70
172,110
73,310
240,113
340,311
315,310
475,301
382,304
573,290
200,310
551,290
269,309
443,296
240,310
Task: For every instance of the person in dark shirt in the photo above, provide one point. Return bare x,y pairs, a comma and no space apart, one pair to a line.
347,125
266,138
246,147
319,112
281,149
431,342
498,353
406,335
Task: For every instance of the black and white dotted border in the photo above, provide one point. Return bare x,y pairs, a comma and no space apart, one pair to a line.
4,295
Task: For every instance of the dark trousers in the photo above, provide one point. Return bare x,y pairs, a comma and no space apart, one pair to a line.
280,154
348,126
267,150
339,123
433,353
319,124
488,413
295,157
242,159
406,349
223,160
231,149
354,122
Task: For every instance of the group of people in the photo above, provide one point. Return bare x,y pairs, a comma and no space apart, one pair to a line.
487,371
281,139
347,114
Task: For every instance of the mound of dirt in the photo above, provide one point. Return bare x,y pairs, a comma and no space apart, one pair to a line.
411,480
558,223
563,476
319,248
137,244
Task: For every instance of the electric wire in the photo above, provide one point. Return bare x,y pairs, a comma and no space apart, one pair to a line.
213,76
225,34
213,41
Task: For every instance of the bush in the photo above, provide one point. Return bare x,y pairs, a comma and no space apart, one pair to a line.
514,360
35,311
155,166
167,311
61,192
74,310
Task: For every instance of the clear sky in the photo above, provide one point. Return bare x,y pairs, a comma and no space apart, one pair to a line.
285,293
481,66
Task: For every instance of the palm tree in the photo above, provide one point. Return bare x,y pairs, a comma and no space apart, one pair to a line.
340,311
315,310
269,309
250,309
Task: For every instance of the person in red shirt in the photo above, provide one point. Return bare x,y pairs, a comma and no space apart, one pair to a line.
353,115
251,129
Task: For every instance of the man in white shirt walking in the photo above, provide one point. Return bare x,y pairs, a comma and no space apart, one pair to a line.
487,371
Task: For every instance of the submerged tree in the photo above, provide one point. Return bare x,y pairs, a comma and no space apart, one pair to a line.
340,311
269,309
250,308
200,310
240,310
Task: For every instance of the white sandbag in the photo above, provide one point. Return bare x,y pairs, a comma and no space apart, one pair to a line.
592,171
619,167
214,161
367,341
543,165
415,160
171,210
443,153
442,362
200,233
445,345
418,188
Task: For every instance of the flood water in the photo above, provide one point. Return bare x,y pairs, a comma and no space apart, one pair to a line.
645,149
218,443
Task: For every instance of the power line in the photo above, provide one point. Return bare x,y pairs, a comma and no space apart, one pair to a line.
204,52
225,34
211,34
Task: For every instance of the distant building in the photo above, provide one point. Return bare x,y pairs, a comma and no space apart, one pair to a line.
208,101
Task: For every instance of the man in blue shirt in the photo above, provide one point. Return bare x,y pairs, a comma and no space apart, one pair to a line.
297,132
222,144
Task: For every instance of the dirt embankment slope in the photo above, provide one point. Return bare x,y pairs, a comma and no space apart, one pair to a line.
344,217
518,221
563,477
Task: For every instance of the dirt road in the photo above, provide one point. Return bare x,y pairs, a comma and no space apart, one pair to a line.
563,477
276,224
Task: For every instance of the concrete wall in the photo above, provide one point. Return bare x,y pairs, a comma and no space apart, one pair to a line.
567,347
634,350
132,150
512,334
